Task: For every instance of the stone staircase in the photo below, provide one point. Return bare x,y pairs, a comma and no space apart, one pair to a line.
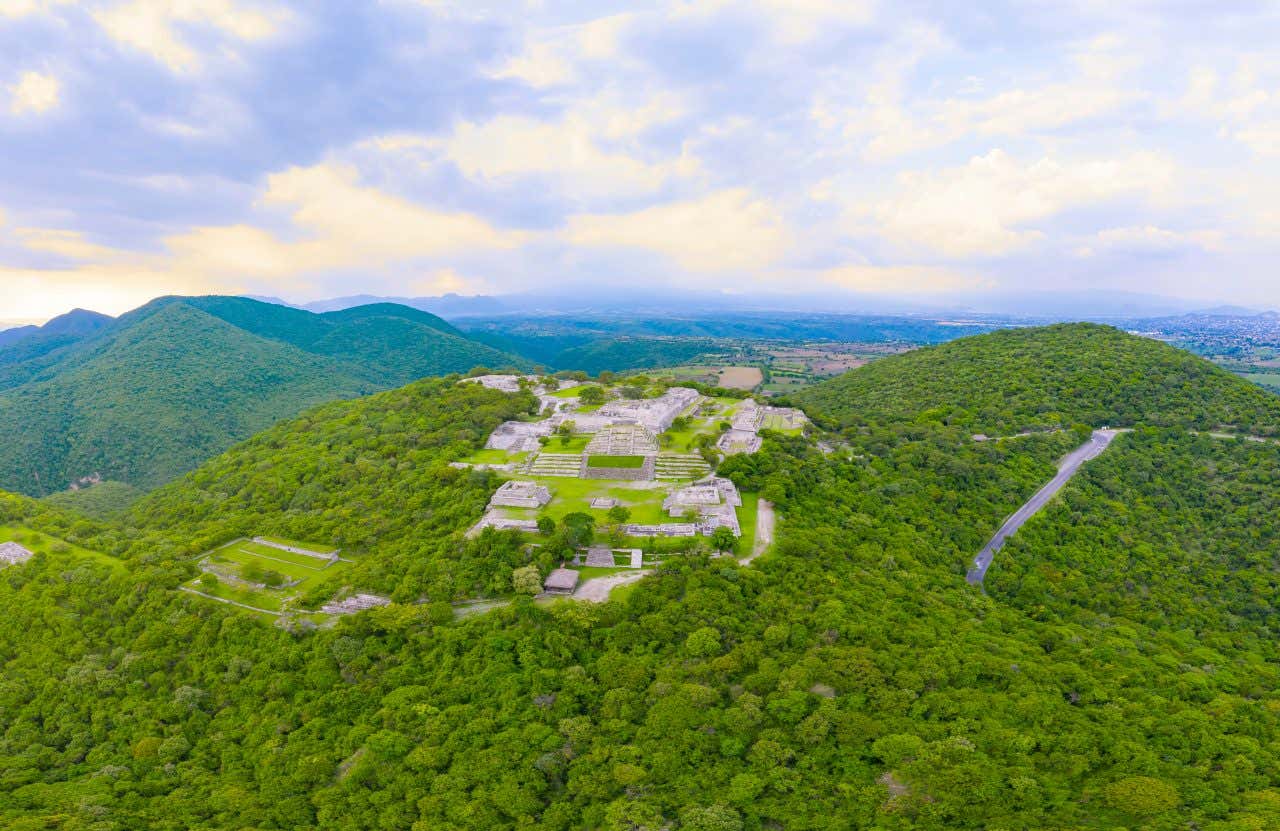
556,464
681,466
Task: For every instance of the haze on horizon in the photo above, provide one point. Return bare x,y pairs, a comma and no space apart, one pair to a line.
417,147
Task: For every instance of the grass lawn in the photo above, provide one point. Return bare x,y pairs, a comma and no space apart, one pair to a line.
575,495
589,572
309,571
305,546
568,392
265,600
41,543
617,462
495,457
747,516
575,444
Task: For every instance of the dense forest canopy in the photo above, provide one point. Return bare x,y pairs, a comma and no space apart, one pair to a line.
1025,379
849,679
149,396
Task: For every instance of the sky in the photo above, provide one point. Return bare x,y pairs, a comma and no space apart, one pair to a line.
419,147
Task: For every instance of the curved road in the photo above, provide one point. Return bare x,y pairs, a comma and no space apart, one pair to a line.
1098,442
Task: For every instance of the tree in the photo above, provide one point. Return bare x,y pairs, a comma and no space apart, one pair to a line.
546,525
526,580
723,540
591,395
619,514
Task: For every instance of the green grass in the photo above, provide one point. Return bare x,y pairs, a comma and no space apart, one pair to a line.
495,457
571,392
616,462
589,572
575,495
307,571
306,546
265,600
747,516
40,543
1263,379
575,444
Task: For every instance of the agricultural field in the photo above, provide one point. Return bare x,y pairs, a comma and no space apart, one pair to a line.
264,577
776,368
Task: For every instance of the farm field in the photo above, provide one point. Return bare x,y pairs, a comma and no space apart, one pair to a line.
741,377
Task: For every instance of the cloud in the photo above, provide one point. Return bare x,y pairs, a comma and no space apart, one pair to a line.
34,94
557,56
23,8
70,244
902,279
730,230
338,223
158,27
790,21
1150,239
892,122
985,207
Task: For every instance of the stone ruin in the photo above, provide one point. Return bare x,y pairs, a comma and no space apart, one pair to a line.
655,414
11,554
600,556
520,494
493,520
604,503
623,440
715,499
353,604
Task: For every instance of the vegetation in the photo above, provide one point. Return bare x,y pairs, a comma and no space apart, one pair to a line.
620,462
850,679
1022,379
126,403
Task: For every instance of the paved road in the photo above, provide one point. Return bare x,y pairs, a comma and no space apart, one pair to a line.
1098,442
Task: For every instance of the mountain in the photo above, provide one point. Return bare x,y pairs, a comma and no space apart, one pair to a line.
1013,380
1122,671
148,396
448,305
30,346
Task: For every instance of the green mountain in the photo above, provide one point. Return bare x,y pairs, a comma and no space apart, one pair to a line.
153,394
1121,673
1024,379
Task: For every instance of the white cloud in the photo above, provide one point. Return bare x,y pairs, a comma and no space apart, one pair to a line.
731,230
156,27
985,207
791,21
340,224
70,244
892,122
1150,239
591,151
34,94
23,8
556,56
904,279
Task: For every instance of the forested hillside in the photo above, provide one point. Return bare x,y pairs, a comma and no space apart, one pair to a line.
165,387
849,679
1022,379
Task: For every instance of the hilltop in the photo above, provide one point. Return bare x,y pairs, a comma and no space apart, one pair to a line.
1014,380
1122,672
147,397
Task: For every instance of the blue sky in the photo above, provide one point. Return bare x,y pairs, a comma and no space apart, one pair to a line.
416,147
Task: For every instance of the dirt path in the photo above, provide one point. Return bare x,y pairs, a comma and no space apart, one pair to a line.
596,590
765,523
1097,443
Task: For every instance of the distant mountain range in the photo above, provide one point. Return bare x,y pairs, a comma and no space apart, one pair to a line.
1041,306
145,397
